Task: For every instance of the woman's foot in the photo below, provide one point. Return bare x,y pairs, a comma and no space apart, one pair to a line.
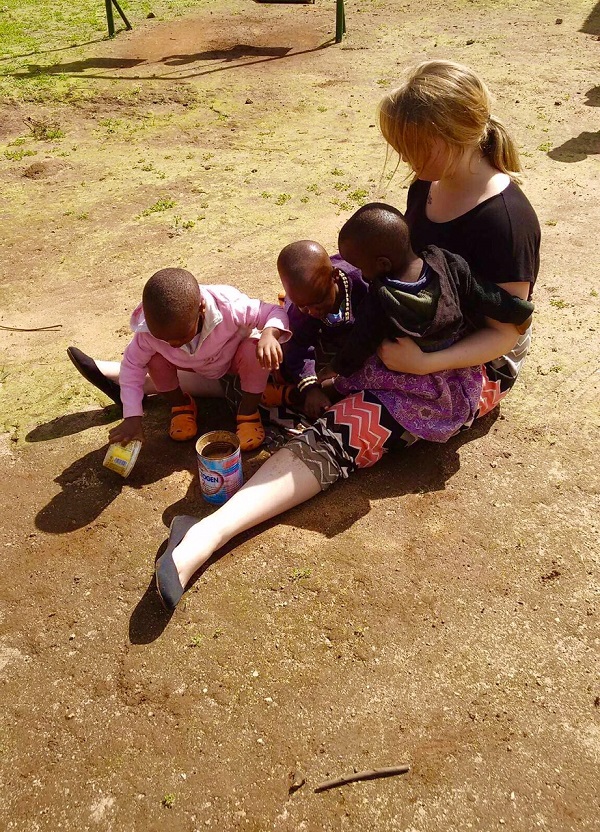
184,424
168,580
250,431
88,368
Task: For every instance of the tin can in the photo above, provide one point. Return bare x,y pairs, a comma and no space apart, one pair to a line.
122,458
219,466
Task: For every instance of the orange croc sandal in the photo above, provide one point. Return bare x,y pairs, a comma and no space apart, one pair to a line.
183,421
250,431
276,394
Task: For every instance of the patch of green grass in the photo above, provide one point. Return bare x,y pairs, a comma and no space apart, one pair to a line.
196,641
314,189
545,147
113,125
45,131
359,196
304,199
593,293
551,222
218,633
18,154
559,304
265,195
162,204
168,801
282,199
321,109
343,206
298,574
337,172
341,186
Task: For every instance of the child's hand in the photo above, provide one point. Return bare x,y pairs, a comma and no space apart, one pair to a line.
316,402
326,372
127,431
268,349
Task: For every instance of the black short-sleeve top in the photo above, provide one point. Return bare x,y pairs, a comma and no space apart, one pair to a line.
499,238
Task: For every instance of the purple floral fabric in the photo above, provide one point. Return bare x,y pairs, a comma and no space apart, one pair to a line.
432,407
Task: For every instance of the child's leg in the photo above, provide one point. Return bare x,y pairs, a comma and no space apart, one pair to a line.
253,380
183,408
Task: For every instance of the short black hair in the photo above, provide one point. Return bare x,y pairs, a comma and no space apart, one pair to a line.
379,229
171,295
299,261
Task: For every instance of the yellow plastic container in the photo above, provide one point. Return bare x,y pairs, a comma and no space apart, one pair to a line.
122,458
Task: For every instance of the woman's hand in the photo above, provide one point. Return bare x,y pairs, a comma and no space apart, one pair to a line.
129,429
494,340
404,356
268,349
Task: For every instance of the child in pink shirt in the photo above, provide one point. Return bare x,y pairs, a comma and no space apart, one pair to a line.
209,330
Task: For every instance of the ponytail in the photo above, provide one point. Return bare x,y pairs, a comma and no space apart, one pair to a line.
499,147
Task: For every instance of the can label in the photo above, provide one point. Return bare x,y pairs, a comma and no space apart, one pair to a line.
121,459
219,466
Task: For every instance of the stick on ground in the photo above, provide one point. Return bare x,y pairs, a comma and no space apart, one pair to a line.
370,774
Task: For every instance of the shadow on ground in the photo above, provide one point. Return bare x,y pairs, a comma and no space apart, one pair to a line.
426,467
228,58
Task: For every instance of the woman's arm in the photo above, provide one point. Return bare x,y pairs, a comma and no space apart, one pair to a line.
496,339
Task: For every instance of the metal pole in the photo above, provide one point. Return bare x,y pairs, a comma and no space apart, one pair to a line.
340,21
124,19
109,18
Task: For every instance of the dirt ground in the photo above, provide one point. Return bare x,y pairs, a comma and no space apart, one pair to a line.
440,609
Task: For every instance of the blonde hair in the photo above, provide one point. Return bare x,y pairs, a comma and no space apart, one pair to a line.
442,99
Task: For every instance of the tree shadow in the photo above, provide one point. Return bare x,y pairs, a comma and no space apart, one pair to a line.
78,66
56,49
234,53
231,58
425,467
591,25
593,97
578,148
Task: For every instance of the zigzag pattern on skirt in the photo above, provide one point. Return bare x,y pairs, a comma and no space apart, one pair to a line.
354,433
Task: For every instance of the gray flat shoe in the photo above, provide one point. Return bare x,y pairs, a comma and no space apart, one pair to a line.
167,578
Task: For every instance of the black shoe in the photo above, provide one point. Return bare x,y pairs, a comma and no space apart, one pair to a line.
89,370
167,578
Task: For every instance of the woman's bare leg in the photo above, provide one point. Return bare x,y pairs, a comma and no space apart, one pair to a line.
190,383
281,483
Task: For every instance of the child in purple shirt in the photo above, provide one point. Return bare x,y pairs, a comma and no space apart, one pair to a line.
321,296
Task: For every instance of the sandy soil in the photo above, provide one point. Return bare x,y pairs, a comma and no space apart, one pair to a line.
440,609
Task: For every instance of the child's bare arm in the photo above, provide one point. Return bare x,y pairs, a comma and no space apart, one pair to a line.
268,349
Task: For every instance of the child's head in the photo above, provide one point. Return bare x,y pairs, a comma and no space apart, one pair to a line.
376,240
173,306
309,279
442,110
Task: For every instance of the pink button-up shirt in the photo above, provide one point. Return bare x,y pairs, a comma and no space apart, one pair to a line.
230,317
